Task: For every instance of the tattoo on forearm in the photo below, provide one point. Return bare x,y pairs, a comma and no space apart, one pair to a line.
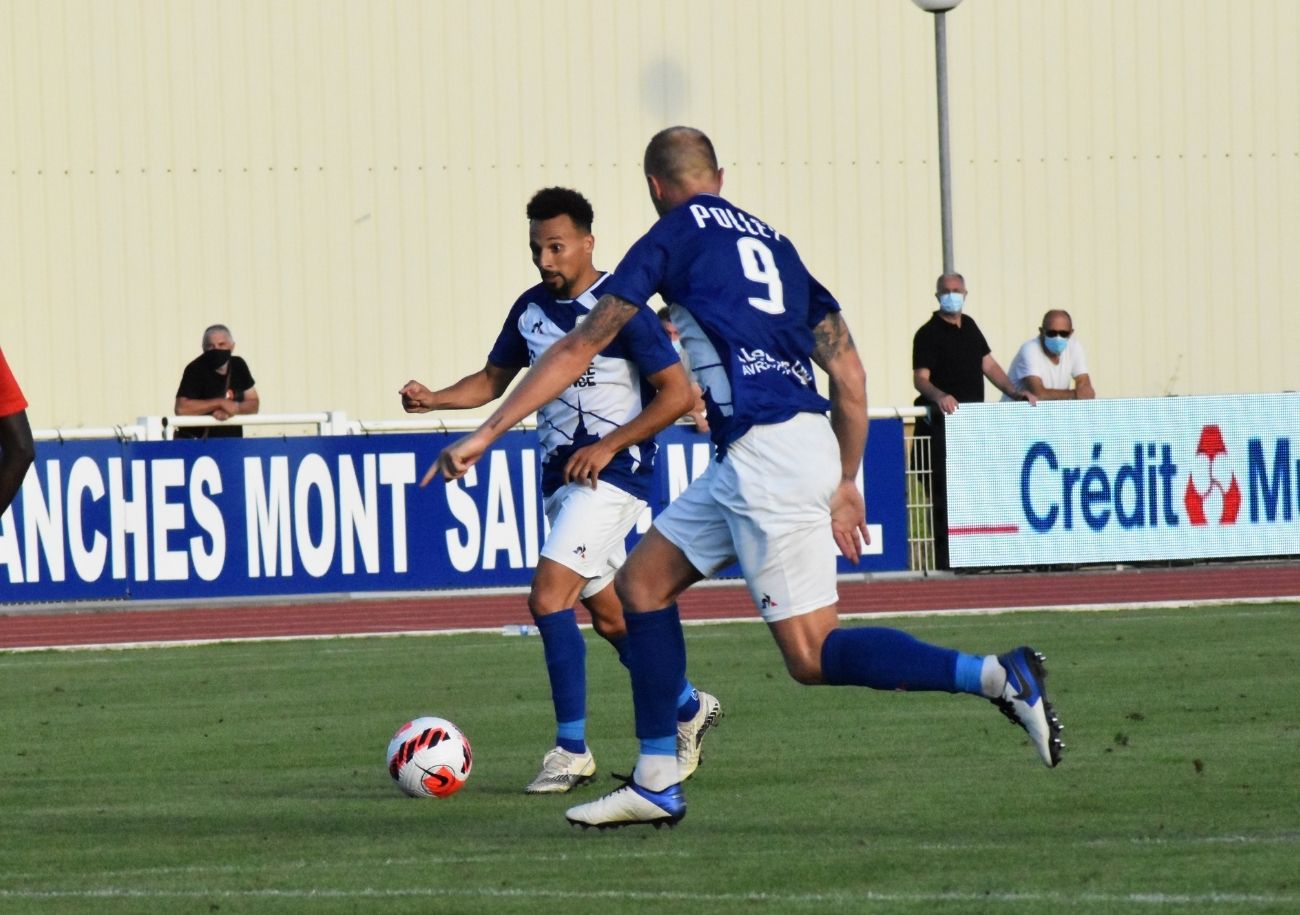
606,319
831,337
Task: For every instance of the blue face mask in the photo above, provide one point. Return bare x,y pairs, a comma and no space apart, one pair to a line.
950,303
1056,345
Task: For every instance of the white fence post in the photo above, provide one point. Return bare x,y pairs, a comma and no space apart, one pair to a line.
154,429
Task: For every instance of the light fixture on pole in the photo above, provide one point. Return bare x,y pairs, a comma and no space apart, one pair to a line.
940,9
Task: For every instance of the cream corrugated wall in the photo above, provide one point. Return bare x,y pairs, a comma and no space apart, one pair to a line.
343,182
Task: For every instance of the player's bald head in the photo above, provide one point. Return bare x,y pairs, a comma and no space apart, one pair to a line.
680,163
680,155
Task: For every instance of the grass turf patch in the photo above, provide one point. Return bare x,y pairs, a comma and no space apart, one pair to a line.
250,777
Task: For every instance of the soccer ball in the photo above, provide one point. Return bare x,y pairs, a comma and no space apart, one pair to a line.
429,757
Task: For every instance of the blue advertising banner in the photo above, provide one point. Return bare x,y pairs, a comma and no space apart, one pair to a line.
320,515
1124,480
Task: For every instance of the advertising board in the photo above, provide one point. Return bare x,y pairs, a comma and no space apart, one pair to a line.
321,514
1068,482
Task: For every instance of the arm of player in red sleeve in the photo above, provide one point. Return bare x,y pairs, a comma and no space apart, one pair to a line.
17,451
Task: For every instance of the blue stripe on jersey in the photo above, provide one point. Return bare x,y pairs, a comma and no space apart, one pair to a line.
744,304
608,395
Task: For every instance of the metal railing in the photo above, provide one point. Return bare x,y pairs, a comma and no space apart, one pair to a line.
920,504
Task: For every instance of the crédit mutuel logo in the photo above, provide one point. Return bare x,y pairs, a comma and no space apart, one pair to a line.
1147,488
1209,449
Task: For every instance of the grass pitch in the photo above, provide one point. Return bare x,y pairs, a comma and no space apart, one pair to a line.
250,778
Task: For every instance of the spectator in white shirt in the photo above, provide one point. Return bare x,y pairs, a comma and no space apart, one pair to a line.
1052,366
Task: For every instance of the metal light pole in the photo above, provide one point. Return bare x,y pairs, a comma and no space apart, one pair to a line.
940,9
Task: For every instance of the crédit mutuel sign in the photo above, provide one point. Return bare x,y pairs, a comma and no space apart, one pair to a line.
1124,480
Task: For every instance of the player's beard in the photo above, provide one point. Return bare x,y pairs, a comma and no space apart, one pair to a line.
557,284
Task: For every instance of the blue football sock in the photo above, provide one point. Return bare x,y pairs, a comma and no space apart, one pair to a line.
657,662
688,702
566,665
621,647
572,735
888,659
969,673
688,698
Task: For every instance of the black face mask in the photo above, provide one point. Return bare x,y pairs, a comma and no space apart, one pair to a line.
215,359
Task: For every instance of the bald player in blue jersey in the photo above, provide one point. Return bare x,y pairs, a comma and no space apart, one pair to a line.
598,447
782,494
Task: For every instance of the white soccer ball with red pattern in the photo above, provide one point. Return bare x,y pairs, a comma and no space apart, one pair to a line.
429,757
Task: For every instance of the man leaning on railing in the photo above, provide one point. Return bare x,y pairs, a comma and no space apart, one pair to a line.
217,384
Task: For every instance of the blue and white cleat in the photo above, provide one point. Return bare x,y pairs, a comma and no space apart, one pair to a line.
631,805
1024,701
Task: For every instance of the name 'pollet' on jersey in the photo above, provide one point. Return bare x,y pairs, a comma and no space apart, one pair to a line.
745,282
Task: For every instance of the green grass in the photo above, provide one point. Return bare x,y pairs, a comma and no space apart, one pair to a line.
250,778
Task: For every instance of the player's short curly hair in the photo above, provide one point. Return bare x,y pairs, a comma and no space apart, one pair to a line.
550,202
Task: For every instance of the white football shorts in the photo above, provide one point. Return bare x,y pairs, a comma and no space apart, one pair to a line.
767,504
588,530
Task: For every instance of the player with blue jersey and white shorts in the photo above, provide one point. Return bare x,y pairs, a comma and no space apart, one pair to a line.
598,447
783,491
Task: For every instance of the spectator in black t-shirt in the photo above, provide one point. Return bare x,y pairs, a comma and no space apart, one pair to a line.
216,384
950,360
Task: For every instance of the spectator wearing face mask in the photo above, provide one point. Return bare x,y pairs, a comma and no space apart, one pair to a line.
950,360
1052,366
217,384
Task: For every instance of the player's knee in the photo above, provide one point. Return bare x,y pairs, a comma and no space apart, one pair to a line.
804,664
806,676
805,669
541,604
633,593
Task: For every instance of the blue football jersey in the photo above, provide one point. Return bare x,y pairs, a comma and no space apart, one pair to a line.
744,305
608,395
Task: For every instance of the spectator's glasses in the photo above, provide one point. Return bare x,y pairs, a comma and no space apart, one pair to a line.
1057,333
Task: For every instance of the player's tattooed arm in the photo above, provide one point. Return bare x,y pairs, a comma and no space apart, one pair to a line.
831,339
834,351
605,321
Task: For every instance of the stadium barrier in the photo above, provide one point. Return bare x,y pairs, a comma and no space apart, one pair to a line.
131,514
1077,482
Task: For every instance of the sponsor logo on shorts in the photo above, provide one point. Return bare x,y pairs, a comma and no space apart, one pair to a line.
580,551
767,602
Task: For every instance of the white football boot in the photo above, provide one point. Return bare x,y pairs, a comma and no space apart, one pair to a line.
690,734
562,771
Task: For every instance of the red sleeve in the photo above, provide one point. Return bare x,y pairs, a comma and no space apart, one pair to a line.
11,396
